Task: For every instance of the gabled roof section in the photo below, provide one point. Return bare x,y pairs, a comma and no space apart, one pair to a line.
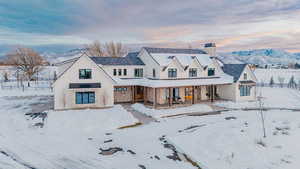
174,50
234,70
130,59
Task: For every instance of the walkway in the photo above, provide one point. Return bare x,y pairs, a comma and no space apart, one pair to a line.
138,115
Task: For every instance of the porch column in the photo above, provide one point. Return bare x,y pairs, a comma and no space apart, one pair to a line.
170,99
154,97
193,95
145,95
132,94
212,93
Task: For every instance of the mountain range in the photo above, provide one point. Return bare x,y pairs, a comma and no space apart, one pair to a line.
261,57
58,53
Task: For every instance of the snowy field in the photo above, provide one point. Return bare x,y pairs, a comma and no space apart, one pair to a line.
265,75
90,139
272,98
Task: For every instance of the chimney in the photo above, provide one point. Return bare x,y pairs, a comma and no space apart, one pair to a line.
210,48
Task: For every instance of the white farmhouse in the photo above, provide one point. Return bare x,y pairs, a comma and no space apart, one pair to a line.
161,77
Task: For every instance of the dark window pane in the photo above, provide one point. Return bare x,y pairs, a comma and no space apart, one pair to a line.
125,72
78,98
211,71
85,73
115,72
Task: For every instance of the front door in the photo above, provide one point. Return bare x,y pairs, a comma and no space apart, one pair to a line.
175,94
139,93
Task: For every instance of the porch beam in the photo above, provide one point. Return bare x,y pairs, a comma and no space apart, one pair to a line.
193,95
145,95
170,99
132,94
154,98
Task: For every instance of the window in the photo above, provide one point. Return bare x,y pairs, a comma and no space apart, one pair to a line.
172,72
245,90
138,72
193,72
125,72
85,97
85,73
120,89
153,73
211,72
115,72
245,76
120,72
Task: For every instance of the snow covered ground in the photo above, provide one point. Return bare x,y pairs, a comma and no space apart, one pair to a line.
272,98
173,111
265,75
90,139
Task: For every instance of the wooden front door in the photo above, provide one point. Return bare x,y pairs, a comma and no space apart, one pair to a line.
139,93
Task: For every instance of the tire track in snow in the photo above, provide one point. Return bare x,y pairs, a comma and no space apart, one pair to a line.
17,160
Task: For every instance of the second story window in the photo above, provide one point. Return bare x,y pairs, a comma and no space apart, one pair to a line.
172,72
138,72
85,73
115,72
245,76
125,72
192,72
120,72
211,72
153,73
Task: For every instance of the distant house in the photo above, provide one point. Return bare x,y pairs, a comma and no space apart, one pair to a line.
161,77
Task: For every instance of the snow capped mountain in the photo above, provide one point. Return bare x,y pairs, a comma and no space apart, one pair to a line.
54,57
261,56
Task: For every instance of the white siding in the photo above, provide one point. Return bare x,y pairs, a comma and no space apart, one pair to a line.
64,98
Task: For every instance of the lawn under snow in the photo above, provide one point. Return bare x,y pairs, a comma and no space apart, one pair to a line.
157,113
65,141
272,98
73,139
235,143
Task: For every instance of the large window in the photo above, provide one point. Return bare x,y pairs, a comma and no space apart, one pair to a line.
85,73
193,72
85,97
138,72
211,72
172,72
245,90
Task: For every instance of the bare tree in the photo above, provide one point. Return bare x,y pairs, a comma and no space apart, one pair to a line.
115,49
27,61
95,49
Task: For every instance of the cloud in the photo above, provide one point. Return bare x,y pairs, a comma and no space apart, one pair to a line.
230,23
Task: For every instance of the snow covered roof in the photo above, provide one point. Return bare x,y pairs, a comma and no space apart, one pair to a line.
234,70
174,50
223,79
118,60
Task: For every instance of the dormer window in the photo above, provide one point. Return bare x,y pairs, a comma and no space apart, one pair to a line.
172,73
192,72
211,72
138,72
85,73
245,76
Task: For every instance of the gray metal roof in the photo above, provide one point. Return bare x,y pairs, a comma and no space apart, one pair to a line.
174,50
128,60
234,70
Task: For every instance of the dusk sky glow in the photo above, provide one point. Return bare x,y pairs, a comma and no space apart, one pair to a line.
233,25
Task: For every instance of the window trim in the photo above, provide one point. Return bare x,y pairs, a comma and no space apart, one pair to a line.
91,96
209,70
172,73
138,72
85,76
193,72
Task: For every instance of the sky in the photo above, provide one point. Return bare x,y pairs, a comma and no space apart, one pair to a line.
232,24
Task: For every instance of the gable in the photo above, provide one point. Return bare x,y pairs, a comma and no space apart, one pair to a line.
250,75
84,62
